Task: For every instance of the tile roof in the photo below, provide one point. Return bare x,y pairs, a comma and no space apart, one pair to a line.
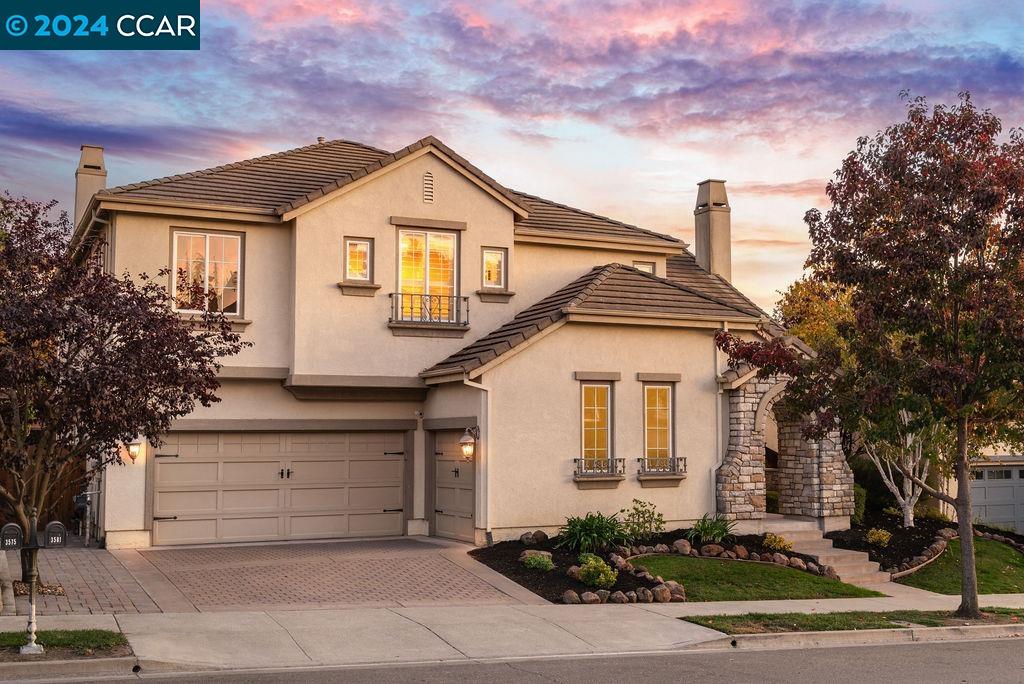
611,288
278,183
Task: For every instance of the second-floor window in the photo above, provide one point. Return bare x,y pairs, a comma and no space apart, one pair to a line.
494,268
358,259
427,272
207,272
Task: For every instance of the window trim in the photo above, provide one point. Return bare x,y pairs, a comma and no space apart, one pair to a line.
369,279
503,251
652,264
206,234
610,439
670,386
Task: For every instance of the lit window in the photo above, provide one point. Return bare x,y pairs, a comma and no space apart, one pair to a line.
657,426
427,272
358,259
494,268
645,266
596,426
207,272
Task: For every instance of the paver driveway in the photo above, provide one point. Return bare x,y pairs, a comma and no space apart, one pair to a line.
398,572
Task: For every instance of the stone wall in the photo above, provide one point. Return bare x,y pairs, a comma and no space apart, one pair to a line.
741,481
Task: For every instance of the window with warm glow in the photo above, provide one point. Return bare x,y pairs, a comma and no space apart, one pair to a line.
207,272
494,268
657,426
645,266
596,426
357,260
427,272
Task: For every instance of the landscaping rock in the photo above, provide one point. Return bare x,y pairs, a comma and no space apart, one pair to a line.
603,594
540,536
695,553
647,576
661,594
729,554
639,569
530,553
631,596
617,597
682,546
574,572
948,533
711,550
797,563
830,572
589,597
755,556
677,590
570,597
624,551
661,548
617,561
917,560
644,595
780,559
812,568
527,539
741,552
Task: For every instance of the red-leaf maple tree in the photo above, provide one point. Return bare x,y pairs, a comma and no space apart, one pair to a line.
926,230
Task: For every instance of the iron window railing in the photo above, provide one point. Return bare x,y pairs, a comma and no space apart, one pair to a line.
428,308
599,467
662,465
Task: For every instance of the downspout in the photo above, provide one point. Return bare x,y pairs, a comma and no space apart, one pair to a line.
719,456
483,451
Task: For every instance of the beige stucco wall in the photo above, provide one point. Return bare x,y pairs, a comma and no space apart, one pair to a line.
142,244
535,423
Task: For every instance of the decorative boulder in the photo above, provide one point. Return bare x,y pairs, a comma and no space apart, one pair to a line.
797,563
661,548
589,597
623,551
677,590
570,597
540,536
530,553
947,533
695,553
830,572
639,569
729,554
661,594
755,556
617,597
741,552
681,546
711,550
780,559
631,596
603,594
527,539
812,568
644,595
574,572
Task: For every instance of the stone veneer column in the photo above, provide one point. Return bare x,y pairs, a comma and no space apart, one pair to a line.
814,478
741,482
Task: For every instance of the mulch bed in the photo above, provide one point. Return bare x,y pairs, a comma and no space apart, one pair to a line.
22,589
906,542
1009,534
504,558
754,543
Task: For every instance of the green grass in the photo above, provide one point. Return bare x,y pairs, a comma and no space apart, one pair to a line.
1000,570
708,579
81,639
763,623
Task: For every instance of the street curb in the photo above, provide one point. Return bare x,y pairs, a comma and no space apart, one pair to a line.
861,637
85,666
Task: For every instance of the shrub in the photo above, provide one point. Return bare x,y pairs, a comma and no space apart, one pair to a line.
932,513
539,563
776,542
771,502
596,573
860,502
586,557
879,537
890,510
711,530
642,521
592,532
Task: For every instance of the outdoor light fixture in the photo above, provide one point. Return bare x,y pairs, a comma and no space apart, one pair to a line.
468,442
134,449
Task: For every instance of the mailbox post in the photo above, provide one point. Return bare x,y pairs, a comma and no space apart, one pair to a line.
12,538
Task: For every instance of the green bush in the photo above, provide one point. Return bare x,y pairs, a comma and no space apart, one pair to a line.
642,521
540,563
771,502
932,513
592,532
776,542
596,573
879,537
711,530
860,502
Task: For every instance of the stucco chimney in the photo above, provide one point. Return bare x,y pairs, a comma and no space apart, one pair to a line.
90,178
713,239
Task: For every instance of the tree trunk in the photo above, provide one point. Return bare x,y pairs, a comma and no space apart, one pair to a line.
968,570
908,514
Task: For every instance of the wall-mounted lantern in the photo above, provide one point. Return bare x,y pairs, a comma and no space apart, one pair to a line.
134,449
468,442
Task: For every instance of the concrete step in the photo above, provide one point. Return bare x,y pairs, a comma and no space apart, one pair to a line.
871,578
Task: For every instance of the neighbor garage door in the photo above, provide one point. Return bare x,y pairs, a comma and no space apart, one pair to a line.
233,486
997,493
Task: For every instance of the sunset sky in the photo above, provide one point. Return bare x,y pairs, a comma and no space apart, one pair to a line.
616,107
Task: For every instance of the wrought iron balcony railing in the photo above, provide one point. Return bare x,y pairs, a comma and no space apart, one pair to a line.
662,465
599,467
427,308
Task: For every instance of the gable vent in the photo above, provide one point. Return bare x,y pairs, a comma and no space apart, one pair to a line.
428,187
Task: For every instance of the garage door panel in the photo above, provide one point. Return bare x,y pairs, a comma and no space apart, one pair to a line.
227,487
999,500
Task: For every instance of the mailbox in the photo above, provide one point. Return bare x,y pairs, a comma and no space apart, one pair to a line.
56,535
12,537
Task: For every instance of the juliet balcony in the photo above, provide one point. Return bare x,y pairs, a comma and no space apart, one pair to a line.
428,315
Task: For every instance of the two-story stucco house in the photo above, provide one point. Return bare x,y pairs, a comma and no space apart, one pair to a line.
436,354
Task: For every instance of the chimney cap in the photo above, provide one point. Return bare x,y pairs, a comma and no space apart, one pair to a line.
711,195
321,139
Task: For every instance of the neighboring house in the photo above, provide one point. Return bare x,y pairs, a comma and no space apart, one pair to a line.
404,307
997,490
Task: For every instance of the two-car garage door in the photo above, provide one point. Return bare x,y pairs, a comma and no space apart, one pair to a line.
234,486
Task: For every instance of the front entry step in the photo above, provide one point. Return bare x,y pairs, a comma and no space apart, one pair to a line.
853,567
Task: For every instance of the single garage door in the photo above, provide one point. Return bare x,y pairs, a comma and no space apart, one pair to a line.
234,486
455,489
997,493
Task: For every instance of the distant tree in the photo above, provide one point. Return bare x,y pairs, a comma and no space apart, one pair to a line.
88,361
927,230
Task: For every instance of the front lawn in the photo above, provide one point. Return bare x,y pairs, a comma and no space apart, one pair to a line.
63,644
763,623
709,579
1000,570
